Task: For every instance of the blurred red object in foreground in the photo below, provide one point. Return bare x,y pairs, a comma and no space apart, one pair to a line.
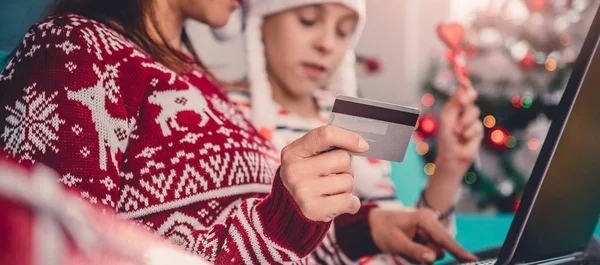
44,224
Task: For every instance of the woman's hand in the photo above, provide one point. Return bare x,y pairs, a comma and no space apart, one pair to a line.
321,183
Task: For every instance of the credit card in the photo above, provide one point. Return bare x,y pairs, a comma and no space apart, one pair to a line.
386,127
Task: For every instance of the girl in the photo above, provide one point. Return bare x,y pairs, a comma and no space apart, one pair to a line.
101,92
300,55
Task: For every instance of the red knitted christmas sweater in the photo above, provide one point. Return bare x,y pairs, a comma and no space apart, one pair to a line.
163,148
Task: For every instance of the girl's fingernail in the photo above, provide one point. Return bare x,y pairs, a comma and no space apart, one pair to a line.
429,257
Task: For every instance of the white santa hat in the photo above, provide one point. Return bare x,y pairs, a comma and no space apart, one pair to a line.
343,80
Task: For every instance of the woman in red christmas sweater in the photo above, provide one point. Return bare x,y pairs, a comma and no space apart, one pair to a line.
101,93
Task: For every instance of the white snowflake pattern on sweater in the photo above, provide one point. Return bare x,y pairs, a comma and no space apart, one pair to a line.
32,126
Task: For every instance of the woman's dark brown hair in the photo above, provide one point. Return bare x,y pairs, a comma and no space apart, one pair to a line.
130,18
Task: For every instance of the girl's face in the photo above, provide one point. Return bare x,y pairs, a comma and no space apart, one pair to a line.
305,45
214,13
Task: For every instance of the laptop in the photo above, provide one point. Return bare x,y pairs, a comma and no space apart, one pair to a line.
560,207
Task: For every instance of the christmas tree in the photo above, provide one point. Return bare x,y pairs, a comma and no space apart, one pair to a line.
519,56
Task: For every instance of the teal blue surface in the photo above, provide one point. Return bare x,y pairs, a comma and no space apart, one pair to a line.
2,62
16,17
409,176
478,232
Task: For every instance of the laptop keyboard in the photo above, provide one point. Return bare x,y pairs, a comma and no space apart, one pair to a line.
482,262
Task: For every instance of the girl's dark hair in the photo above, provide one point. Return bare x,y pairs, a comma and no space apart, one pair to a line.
129,18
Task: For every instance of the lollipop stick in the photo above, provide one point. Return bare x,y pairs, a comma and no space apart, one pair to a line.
460,72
